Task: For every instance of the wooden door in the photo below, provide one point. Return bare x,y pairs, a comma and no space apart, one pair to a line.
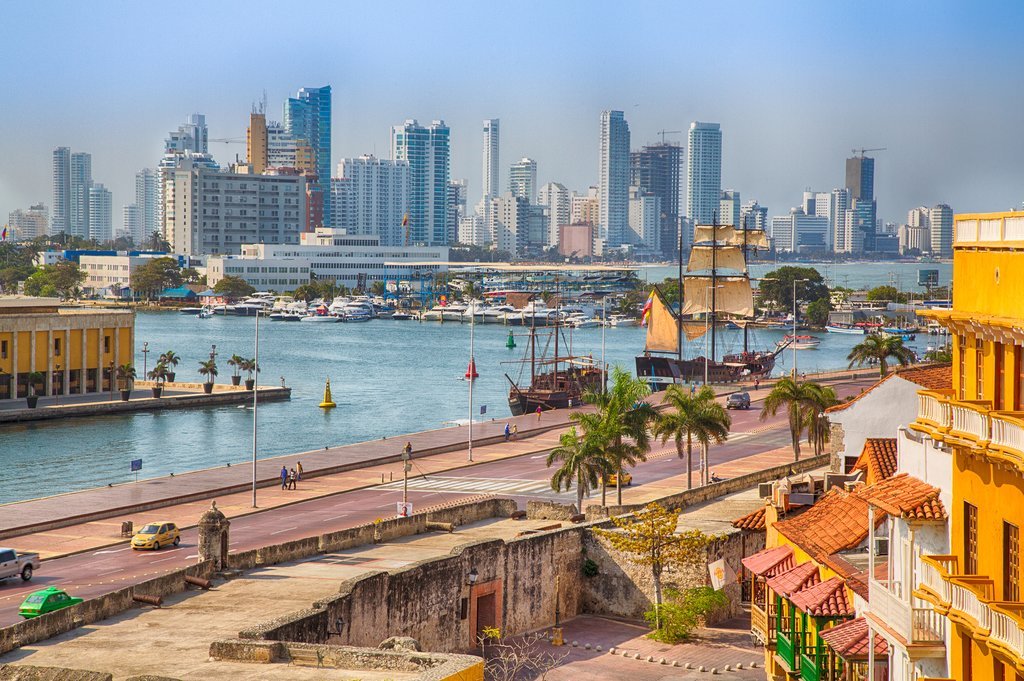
485,613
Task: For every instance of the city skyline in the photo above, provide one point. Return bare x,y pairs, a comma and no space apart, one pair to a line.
770,156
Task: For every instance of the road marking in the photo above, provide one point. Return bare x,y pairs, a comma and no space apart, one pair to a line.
109,572
164,559
193,555
112,551
285,530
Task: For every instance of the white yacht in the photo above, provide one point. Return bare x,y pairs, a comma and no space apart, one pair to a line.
621,320
582,321
496,314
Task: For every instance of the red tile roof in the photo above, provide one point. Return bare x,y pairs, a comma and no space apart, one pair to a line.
770,562
826,599
787,583
878,459
850,640
837,522
755,519
928,376
906,497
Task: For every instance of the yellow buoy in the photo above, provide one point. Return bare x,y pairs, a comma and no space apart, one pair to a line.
328,403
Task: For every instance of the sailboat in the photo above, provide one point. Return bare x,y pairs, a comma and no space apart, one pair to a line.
715,290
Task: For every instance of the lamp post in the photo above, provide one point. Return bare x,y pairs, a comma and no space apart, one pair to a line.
795,282
471,377
145,359
604,325
707,322
111,381
470,581
56,393
255,401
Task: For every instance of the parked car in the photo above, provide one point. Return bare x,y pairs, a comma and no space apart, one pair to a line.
14,564
155,535
611,480
738,401
44,601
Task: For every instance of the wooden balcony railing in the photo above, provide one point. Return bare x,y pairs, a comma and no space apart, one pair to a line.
785,648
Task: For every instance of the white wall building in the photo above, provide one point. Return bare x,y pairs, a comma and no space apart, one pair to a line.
913,239
703,172
211,212
613,183
474,231
644,219
940,219
377,200
100,209
111,272
492,138
755,216
522,179
141,219
558,200
509,224
29,224
729,208
325,254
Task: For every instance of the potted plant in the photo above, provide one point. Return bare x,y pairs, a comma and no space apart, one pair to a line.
126,379
158,375
236,362
170,360
249,366
208,368
34,378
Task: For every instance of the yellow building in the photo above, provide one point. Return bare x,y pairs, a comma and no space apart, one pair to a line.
76,349
978,586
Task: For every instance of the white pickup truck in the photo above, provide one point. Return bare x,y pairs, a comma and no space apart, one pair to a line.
13,564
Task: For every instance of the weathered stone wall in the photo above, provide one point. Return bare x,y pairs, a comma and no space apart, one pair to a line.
837,448
19,672
550,510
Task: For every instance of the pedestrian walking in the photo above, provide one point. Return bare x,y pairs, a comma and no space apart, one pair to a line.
693,389
407,450
292,479
284,477
508,432
298,469
515,431
757,383
539,410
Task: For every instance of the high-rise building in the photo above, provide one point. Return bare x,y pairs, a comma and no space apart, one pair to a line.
140,219
190,141
509,223
585,209
456,207
373,197
557,199
256,142
860,177
703,172
645,220
729,208
613,181
81,180
657,168
799,232
307,116
492,134
913,239
100,213
839,204
31,223
192,136
940,219
130,219
427,150
522,179
918,217
210,212
754,216
61,190
474,231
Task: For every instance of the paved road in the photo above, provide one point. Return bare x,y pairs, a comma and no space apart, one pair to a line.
94,573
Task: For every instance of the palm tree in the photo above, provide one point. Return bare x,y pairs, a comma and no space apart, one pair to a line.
581,463
170,360
690,417
208,368
880,348
126,376
822,397
797,398
236,362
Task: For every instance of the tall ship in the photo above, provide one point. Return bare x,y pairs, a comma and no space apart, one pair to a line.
556,381
714,291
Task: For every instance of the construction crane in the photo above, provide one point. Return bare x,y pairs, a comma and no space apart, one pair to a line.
864,151
668,132
228,140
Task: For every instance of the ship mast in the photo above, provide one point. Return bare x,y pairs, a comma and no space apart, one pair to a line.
533,345
714,279
555,384
679,318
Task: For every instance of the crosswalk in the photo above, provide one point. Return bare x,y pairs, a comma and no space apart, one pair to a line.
474,485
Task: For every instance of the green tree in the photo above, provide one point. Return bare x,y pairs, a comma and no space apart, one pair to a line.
818,431
377,288
208,368
817,312
233,287
61,278
796,398
879,348
156,242
776,287
887,294
651,539
682,612
126,375
190,275
236,361
692,417
943,355
154,277
581,462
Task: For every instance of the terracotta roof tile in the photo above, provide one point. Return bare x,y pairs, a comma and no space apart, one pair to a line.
850,640
787,583
907,497
825,599
755,519
928,376
836,522
770,562
878,459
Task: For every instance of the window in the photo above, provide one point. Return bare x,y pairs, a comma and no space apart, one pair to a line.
997,388
1018,371
970,539
3,349
1011,562
106,344
56,347
979,368
962,345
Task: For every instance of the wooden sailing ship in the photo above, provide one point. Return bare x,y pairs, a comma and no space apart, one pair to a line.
714,290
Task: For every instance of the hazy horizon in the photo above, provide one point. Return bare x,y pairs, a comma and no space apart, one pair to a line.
795,87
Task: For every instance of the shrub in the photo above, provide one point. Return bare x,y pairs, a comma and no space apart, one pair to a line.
683,612
589,568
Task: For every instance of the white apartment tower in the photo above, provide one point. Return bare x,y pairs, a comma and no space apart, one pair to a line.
645,219
703,172
613,184
509,227
81,180
558,200
492,135
31,223
729,208
61,190
100,219
379,198
522,179
940,218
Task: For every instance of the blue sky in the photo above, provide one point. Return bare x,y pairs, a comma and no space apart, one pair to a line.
795,85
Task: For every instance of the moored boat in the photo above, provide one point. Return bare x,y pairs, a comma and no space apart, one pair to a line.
799,342
851,329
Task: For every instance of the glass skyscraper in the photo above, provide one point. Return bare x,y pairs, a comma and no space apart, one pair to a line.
428,151
307,116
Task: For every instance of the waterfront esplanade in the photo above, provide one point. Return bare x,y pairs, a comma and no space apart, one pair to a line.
76,349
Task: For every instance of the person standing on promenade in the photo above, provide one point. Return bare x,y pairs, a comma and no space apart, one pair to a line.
757,383
539,410
298,469
408,450
284,477
515,431
508,432
292,475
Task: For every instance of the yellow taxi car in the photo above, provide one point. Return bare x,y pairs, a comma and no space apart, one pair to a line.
612,479
155,535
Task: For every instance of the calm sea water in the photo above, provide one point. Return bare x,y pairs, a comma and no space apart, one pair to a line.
388,377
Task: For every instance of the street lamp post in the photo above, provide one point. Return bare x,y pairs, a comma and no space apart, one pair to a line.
795,282
470,376
255,402
111,380
145,359
604,325
56,393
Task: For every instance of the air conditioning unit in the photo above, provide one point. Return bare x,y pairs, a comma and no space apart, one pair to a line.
801,499
881,546
764,489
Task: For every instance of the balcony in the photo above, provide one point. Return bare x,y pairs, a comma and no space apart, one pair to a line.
915,621
1008,628
934,571
759,625
1008,434
785,649
970,421
933,408
969,596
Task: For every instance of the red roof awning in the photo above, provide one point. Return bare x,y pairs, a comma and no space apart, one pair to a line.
768,562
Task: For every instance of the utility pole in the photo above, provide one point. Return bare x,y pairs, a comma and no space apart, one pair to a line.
255,402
